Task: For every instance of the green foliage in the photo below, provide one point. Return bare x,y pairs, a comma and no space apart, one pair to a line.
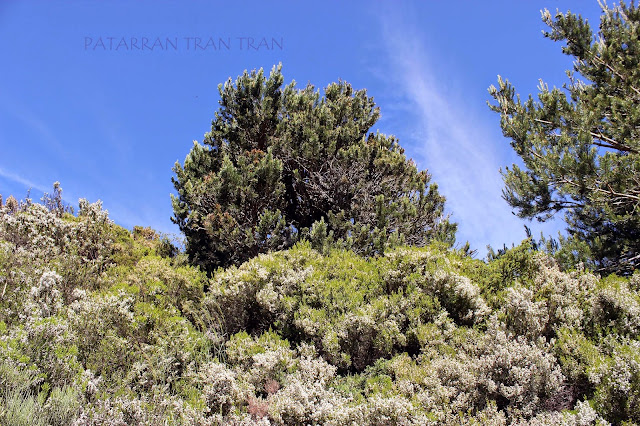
577,354
281,163
580,144
305,336
353,310
516,264
618,384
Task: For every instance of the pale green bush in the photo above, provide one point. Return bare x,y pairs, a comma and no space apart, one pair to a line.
616,308
62,406
21,402
221,391
516,373
617,381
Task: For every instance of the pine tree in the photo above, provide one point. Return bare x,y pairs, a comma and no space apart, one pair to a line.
282,163
580,144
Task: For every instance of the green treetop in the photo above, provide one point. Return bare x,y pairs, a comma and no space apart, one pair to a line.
282,164
580,144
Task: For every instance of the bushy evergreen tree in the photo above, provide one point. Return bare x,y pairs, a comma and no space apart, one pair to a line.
580,144
282,163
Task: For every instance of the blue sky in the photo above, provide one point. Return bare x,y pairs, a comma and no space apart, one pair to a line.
108,118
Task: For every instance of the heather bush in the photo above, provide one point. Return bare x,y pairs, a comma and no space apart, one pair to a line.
617,383
523,315
583,415
305,396
102,325
221,391
99,325
566,294
49,344
517,374
354,310
459,296
45,299
128,410
463,371
265,358
615,308
634,281
576,355
34,239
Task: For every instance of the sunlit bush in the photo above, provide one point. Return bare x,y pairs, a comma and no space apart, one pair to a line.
99,325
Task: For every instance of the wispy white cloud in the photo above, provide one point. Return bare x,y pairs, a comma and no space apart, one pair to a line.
460,152
21,180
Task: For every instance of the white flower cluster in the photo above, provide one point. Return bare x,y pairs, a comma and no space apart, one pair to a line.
617,381
618,307
515,370
565,294
583,415
45,298
36,242
221,390
554,300
459,296
305,396
524,316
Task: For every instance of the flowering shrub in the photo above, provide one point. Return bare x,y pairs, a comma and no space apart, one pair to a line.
617,381
616,308
515,373
102,326
220,388
354,310
34,240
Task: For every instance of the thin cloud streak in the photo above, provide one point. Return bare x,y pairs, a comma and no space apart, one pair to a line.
457,151
20,180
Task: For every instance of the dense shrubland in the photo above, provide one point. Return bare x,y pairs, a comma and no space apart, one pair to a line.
319,284
100,325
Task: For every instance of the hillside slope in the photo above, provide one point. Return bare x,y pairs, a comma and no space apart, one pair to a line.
99,325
